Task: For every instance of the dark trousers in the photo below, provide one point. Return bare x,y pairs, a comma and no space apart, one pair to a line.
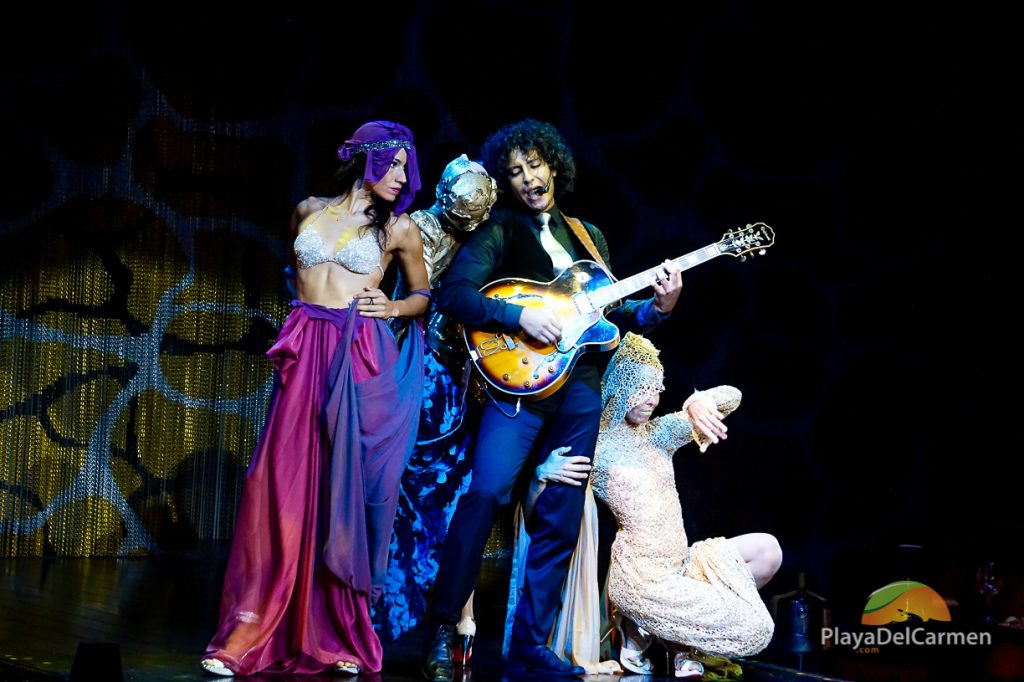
504,447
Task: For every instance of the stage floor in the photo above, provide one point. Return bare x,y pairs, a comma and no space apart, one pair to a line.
160,611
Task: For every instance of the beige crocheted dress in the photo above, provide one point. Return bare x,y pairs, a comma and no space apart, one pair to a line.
701,595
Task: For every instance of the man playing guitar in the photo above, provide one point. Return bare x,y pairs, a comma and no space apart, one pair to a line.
530,238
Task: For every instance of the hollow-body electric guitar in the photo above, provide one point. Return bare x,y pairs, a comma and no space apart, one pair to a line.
524,367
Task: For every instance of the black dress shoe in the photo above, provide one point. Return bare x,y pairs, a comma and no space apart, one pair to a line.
437,656
540,660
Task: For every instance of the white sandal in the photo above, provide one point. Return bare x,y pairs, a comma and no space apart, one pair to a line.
216,667
686,668
634,660
347,667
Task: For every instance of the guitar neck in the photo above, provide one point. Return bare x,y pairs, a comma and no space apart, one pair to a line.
631,285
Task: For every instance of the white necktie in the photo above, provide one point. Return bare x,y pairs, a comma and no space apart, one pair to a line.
560,258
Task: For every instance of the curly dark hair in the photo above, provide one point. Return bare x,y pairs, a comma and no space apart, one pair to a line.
528,135
350,173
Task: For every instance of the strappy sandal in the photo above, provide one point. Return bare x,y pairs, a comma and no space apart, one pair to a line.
685,667
634,660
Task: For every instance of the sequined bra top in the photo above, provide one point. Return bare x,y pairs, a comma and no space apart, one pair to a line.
360,254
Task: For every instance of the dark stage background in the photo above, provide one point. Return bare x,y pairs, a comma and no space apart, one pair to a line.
152,156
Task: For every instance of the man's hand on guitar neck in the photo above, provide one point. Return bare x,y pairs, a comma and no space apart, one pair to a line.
541,324
668,284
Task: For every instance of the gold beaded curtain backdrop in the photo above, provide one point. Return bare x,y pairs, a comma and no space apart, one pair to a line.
134,382
141,285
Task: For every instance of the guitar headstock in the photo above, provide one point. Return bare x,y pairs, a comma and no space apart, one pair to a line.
749,240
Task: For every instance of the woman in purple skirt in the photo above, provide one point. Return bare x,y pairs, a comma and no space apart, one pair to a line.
310,548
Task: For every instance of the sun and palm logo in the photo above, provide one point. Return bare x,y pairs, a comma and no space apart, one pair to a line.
904,601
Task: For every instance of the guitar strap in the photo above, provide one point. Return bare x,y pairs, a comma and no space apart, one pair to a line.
583,235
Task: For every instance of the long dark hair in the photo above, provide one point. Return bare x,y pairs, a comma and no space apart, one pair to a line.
350,174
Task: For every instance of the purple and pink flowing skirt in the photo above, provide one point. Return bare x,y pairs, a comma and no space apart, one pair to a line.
311,540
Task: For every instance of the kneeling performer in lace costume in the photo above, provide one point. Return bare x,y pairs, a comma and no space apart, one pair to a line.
704,595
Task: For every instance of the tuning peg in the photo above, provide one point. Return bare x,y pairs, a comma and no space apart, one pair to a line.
743,258
761,252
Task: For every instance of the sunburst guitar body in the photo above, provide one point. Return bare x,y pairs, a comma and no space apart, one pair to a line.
521,366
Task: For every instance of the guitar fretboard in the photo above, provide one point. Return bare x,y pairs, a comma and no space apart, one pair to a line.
630,285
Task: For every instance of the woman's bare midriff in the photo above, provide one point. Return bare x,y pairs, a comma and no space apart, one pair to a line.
332,286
